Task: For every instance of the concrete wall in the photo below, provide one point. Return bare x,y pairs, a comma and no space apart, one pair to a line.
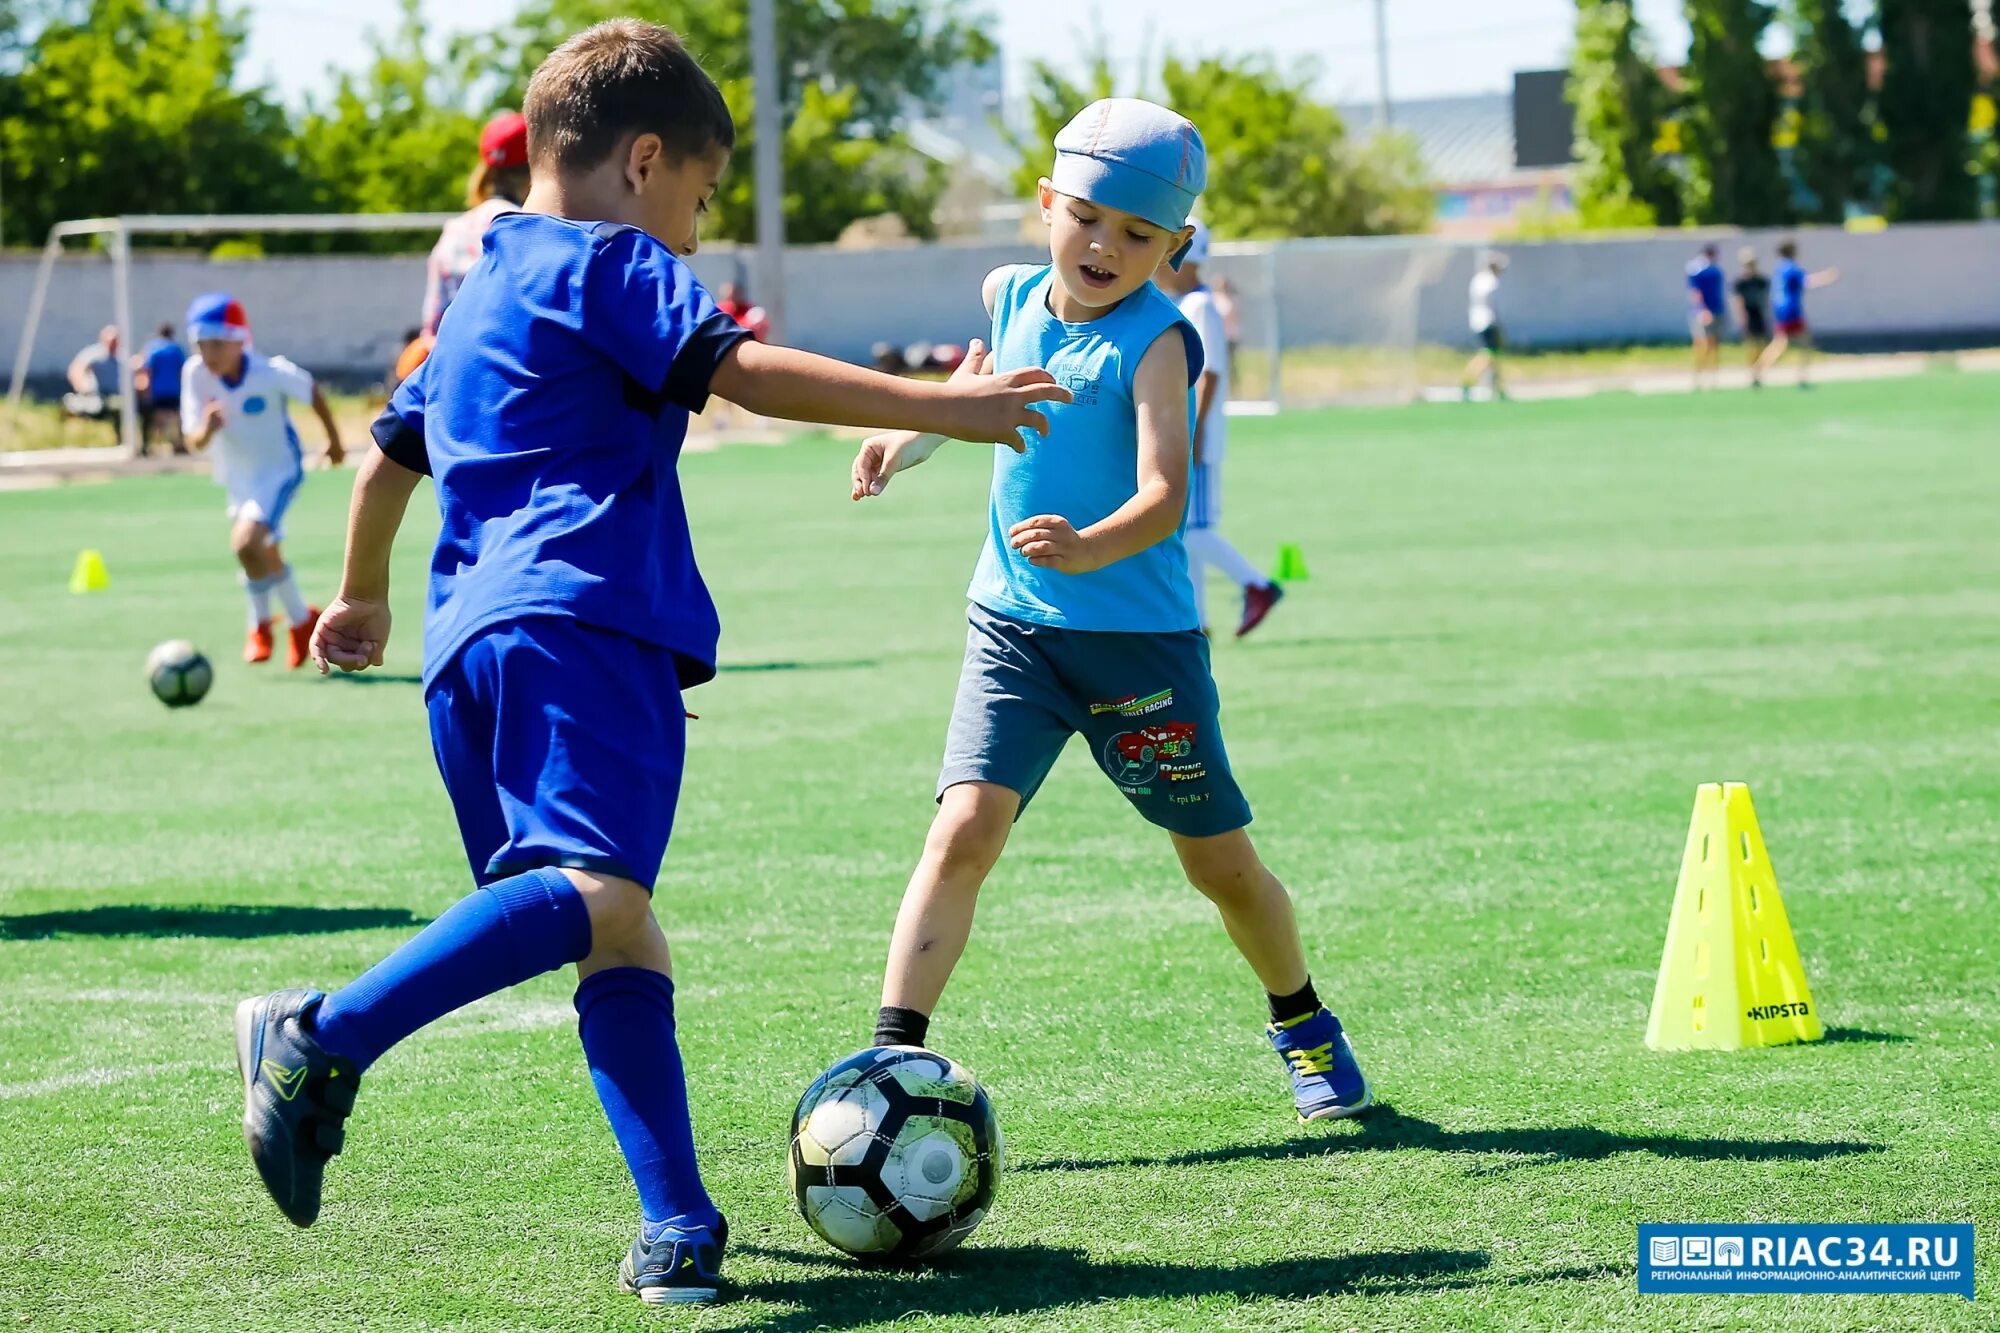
345,314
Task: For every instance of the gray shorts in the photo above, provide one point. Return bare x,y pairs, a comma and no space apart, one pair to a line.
1145,703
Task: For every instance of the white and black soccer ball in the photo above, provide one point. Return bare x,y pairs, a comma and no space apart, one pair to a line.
895,1153
178,673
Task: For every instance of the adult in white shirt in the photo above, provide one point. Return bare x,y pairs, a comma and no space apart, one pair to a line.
1206,545
1483,314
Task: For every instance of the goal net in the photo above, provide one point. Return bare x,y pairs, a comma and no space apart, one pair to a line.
78,296
1337,320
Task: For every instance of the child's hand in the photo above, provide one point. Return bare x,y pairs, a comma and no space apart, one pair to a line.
883,456
871,466
350,635
996,407
335,455
1048,540
211,420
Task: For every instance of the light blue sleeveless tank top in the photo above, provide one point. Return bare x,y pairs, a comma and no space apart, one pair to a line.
1087,465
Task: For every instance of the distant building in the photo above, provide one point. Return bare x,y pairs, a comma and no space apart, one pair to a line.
1490,156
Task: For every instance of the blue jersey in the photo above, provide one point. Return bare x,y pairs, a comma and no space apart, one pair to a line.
1705,279
1790,302
1088,465
163,359
551,413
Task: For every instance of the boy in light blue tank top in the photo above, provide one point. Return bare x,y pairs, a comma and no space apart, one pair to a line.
1083,617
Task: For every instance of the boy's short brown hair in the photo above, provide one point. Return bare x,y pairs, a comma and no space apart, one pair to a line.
623,76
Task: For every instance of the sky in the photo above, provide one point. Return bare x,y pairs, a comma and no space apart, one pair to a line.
1437,47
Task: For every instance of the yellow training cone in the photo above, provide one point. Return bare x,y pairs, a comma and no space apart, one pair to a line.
1731,975
89,575
1291,564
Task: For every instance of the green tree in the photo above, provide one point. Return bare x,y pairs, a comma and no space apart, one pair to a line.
1280,163
1732,113
398,137
1925,105
852,71
128,107
1834,157
1052,99
1620,105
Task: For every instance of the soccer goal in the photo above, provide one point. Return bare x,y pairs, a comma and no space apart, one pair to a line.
1331,320
118,233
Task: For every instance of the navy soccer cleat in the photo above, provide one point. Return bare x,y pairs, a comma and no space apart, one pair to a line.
1327,1083
295,1097
676,1266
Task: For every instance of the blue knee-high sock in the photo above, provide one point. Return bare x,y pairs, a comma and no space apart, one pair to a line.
492,938
625,1016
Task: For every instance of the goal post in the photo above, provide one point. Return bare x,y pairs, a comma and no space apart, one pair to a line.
119,232
1327,320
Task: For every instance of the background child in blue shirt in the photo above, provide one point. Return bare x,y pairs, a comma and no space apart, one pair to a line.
1705,285
565,617
1083,617
1790,283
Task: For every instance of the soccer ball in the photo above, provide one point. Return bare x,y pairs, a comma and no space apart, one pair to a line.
895,1152
178,673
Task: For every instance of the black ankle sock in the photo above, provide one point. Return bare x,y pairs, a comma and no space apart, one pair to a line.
904,1027
1284,1008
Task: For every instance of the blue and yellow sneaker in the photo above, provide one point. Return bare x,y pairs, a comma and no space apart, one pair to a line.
1327,1083
295,1097
675,1265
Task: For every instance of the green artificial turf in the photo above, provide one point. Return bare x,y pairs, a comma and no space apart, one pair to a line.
1472,740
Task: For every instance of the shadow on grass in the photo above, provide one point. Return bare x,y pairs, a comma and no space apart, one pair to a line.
1866,1035
373,678
1005,1280
847,664
1385,1129
217,923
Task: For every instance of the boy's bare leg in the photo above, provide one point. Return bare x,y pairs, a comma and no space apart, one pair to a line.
623,930
255,551
1326,1081
935,920
1256,910
1772,351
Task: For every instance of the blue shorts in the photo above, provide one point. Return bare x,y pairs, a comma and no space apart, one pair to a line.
561,745
1145,703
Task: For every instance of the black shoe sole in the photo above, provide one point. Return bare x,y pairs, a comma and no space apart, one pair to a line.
249,1022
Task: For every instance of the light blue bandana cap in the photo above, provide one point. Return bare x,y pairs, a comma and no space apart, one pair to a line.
1135,156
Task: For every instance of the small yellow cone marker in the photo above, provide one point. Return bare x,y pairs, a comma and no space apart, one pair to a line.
89,575
1731,975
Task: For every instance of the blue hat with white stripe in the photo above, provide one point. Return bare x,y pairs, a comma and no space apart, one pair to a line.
1135,156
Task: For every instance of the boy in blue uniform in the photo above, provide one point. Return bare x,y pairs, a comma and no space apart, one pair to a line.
1705,311
1083,617
565,617
1788,311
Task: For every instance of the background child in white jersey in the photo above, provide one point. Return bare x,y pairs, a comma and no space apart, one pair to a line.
237,402
1205,543
1483,316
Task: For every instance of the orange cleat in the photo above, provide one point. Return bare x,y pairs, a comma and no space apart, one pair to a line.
257,646
301,640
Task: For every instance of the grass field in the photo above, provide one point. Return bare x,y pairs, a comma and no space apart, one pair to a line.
1472,739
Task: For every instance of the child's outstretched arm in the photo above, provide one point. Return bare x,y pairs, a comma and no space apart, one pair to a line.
353,630
883,456
784,382
1160,389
